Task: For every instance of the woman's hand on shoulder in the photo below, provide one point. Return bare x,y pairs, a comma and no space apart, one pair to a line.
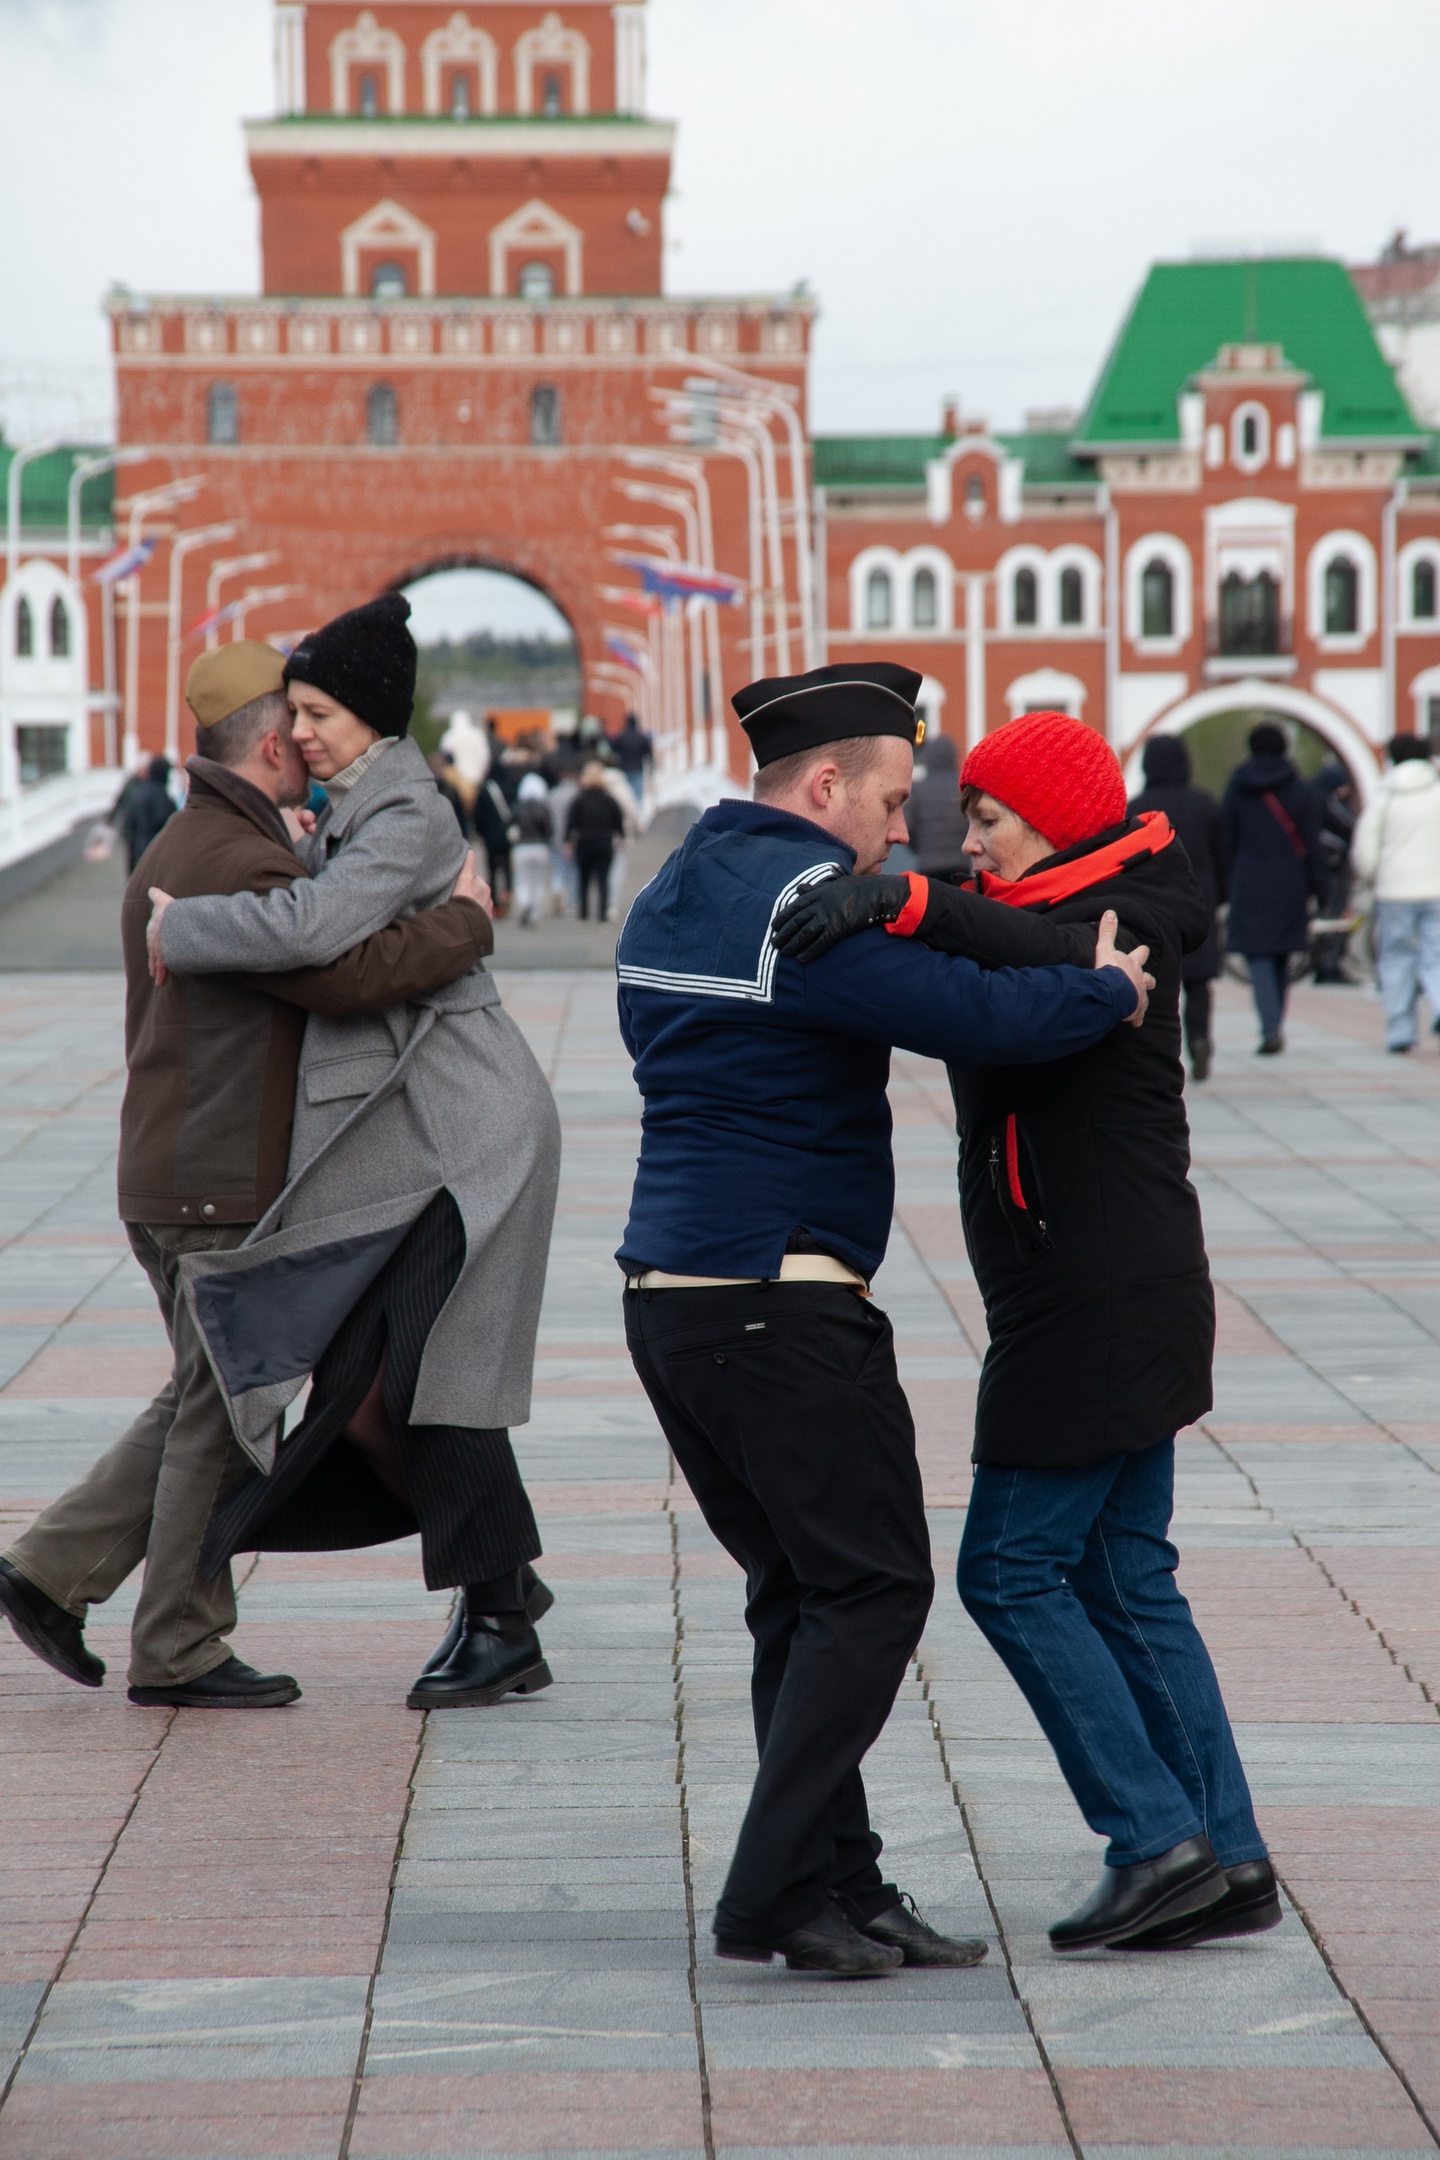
826,914
1130,964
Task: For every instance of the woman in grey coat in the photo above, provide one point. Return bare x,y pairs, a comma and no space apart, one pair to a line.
404,1263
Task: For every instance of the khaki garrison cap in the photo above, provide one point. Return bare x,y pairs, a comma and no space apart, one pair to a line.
220,682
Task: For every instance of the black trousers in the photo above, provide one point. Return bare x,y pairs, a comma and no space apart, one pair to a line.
592,867
785,1413
466,1497
1197,991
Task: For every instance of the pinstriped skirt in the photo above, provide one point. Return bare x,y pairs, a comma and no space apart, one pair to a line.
465,1495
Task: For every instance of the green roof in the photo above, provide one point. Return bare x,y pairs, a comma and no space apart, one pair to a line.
44,484
1186,311
900,460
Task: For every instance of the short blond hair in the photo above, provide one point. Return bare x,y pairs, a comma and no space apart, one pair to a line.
852,757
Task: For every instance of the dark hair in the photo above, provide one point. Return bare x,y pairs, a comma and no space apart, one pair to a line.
231,740
1166,761
1401,748
1267,740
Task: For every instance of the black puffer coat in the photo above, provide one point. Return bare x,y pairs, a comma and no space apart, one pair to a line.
1081,1222
1200,829
1272,823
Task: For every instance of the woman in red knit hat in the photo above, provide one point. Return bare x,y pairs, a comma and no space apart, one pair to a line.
1084,1232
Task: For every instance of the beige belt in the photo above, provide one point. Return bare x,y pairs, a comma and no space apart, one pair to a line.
794,1267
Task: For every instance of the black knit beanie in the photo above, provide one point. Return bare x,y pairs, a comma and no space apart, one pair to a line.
365,660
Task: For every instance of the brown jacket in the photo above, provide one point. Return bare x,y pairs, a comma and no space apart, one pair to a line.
210,1097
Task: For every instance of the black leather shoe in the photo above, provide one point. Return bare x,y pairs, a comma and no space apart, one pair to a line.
1126,1900
231,1686
827,1944
1200,1058
498,1654
1271,1047
538,1596
919,1944
1251,1904
46,1628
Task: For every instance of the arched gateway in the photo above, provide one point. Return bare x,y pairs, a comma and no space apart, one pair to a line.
462,356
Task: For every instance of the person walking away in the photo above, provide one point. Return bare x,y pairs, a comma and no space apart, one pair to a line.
594,823
1085,1235
1272,832
761,1209
402,1267
634,753
530,854
564,887
444,769
1196,822
495,828
146,810
205,1130
1338,819
630,815
1397,844
934,814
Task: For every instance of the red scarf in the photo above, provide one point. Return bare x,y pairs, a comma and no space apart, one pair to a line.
1067,879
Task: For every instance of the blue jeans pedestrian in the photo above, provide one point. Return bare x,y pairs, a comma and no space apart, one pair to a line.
1070,1576
1407,933
1270,984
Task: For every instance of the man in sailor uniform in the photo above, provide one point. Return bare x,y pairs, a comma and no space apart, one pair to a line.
761,1210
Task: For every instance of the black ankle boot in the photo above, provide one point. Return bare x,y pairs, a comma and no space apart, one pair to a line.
494,1654
534,1599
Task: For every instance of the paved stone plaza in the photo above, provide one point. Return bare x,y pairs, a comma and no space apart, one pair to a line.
344,1930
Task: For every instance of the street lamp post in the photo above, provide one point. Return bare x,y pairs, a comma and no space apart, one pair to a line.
691,470
235,566
142,506
90,469
24,455
669,661
778,401
675,500
258,596
182,545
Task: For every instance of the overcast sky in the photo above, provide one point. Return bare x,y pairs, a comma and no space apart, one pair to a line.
972,188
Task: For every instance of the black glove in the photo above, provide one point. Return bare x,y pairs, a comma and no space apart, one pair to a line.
826,914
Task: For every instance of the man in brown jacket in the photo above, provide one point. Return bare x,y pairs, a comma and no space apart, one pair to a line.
204,1143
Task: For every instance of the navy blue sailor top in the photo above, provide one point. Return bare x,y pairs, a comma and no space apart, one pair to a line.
766,1125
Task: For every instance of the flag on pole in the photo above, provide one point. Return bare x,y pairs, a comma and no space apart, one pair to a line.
125,564
685,581
216,618
625,654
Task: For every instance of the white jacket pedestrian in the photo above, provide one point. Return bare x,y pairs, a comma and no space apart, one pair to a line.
1397,843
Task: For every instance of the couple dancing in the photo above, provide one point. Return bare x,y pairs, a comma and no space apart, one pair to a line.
338,1158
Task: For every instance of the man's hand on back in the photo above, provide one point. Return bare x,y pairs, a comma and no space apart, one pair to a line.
159,901
470,887
1130,964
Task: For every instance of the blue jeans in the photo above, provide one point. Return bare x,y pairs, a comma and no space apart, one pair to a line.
1071,1578
1270,983
1407,933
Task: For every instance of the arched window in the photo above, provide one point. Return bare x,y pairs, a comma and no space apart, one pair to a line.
1342,597
1026,598
1157,600
1249,614
553,105
460,95
382,415
369,97
537,281
879,601
974,495
1072,595
924,601
1422,590
545,414
1249,435
24,630
388,281
59,629
222,414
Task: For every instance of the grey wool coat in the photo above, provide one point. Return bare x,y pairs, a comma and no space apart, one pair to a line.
391,1108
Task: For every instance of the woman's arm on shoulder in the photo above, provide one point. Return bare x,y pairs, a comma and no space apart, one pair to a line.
372,877
959,920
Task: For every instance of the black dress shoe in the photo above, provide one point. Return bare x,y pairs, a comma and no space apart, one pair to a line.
1200,1054
46,1628
902,1927
538,1598
1126,1900
231,1686
829,1943
497,1654
1251,1904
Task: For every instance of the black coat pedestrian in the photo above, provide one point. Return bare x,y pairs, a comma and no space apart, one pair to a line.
937,822
1200,829
1272,828
1081,1223
146,810
595,821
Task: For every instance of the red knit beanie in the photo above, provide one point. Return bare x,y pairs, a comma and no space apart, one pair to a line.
1061,776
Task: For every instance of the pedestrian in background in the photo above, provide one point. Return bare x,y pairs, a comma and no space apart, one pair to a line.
146,810
594,824
1195,818
1272,830
634,754
1338,819
530,855
1397,843
630,816
564,890
937,822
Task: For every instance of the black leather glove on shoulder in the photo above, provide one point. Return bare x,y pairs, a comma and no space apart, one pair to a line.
826,914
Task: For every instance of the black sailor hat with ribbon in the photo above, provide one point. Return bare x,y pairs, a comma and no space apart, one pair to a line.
786,714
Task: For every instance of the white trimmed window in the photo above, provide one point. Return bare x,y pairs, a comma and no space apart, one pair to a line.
1418,572
1022,581
1158,593
879,591
929,584
1340,591
1046,690
1074,590
1250,437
